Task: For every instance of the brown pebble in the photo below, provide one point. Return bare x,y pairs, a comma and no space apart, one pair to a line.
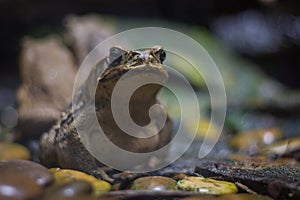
257,138
11,151
241,196
285,148
17,186
154,183
180,176
33,171
70,189
80,197
68,175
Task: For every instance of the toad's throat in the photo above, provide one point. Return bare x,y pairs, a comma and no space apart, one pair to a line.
139,105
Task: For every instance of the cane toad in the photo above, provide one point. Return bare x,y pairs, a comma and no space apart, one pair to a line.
62,146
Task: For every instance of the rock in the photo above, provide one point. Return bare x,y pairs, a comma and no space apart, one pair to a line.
31,170
154,183
83,33
48,72
18,186
243,197
11,151
180,176
262,158
278,179
256,139
79,197
287,148
63,176
206,186
70,189
231,197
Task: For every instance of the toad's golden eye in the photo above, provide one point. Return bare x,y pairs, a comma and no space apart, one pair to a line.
136,57
161,55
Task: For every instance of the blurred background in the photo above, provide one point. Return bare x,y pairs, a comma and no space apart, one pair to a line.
261,35
254,43
265,31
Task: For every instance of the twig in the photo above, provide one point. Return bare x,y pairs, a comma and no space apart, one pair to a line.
244,187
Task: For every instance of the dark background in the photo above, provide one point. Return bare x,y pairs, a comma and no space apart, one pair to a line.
280,60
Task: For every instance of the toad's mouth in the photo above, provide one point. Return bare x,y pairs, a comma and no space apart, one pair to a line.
114,74
149,77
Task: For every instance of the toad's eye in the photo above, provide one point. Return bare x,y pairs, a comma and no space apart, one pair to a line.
136,57
161,54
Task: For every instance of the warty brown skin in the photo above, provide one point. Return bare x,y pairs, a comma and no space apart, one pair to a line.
62,146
